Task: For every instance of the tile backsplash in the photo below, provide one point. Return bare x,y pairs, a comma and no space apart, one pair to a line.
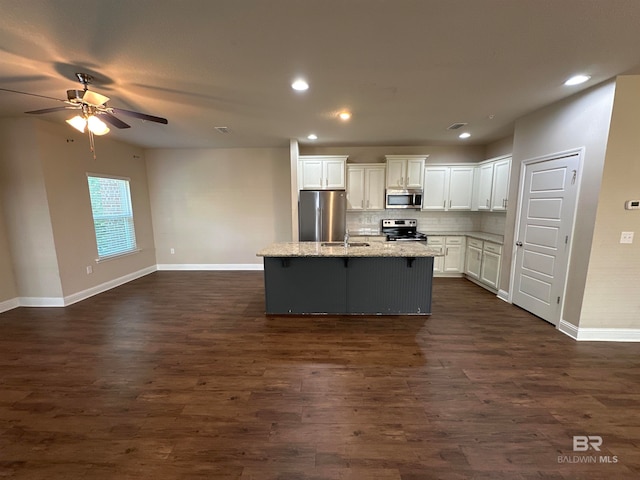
430,222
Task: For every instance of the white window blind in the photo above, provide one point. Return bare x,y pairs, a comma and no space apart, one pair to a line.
112,216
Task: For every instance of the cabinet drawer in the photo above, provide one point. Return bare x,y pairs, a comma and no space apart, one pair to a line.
474,242
493,247
454,240
435,240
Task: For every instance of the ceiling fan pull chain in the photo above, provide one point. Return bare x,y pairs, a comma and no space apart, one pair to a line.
92,145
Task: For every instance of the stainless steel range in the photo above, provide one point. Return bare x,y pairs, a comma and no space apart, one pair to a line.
405,230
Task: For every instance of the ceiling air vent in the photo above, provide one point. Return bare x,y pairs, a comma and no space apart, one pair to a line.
455,126
222,129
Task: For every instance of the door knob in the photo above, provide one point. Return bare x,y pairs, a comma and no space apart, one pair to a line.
518,244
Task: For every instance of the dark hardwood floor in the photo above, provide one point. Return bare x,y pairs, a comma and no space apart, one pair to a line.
180,375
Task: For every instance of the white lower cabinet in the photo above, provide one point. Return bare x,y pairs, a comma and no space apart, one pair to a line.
490,271
473,258
482,263
452,263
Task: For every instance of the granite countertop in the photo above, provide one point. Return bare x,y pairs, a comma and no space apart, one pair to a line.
490,237
375,249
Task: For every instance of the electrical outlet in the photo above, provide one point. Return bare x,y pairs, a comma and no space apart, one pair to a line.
173,251
626,237
89,269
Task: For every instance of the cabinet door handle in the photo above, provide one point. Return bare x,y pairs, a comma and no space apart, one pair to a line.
518,244
487,203
449,203
362,203
368,203
444,204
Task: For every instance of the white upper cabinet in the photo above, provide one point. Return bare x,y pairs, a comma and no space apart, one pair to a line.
436,188
485,183
322,172
448,188
500,188
461,188
365,186
405,171
492,185
374,179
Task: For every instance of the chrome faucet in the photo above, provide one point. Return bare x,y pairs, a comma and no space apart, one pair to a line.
346,238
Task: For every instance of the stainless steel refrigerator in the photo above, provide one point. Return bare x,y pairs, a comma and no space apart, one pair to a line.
322,215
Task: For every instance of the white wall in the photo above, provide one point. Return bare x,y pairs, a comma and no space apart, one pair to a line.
578,121
218,207
611,297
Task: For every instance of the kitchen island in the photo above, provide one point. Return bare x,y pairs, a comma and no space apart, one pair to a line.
381,278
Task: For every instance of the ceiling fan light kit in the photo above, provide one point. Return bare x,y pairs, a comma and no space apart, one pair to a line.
92,105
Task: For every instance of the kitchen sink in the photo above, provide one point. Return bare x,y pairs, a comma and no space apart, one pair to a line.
341,244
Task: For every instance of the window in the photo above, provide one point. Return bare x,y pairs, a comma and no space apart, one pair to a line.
112,215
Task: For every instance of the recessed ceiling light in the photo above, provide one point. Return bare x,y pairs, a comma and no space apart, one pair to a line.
312,136
577,80
464,135
300,85
344,115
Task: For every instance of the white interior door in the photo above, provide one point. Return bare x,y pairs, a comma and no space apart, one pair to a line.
547,209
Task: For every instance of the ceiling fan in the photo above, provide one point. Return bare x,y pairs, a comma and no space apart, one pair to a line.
92,110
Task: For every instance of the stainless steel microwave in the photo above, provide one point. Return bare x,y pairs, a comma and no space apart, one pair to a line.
410,198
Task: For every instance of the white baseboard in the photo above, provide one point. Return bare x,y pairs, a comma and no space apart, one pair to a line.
210,266
9,304
599,334
84,294
503,295
90,292
41,301
103,287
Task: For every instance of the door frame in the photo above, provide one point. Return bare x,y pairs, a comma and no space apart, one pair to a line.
579,151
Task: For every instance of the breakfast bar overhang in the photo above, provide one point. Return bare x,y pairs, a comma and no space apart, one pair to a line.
390,278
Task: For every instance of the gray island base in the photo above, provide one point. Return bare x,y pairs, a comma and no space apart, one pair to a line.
381,279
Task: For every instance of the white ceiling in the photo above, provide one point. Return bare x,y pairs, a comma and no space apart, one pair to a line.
407,69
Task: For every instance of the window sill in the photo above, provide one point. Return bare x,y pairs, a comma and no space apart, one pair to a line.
118,255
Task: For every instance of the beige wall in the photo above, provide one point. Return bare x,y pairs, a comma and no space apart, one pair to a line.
26,211
437,154
499,148
611,293
578,121
218,206
7,282
47,207
65,168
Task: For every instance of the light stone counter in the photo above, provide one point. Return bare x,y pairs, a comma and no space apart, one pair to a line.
375,249
489,237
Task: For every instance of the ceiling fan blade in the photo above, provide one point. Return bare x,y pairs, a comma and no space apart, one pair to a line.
93,98
50,110
141,116
113,120
31,94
